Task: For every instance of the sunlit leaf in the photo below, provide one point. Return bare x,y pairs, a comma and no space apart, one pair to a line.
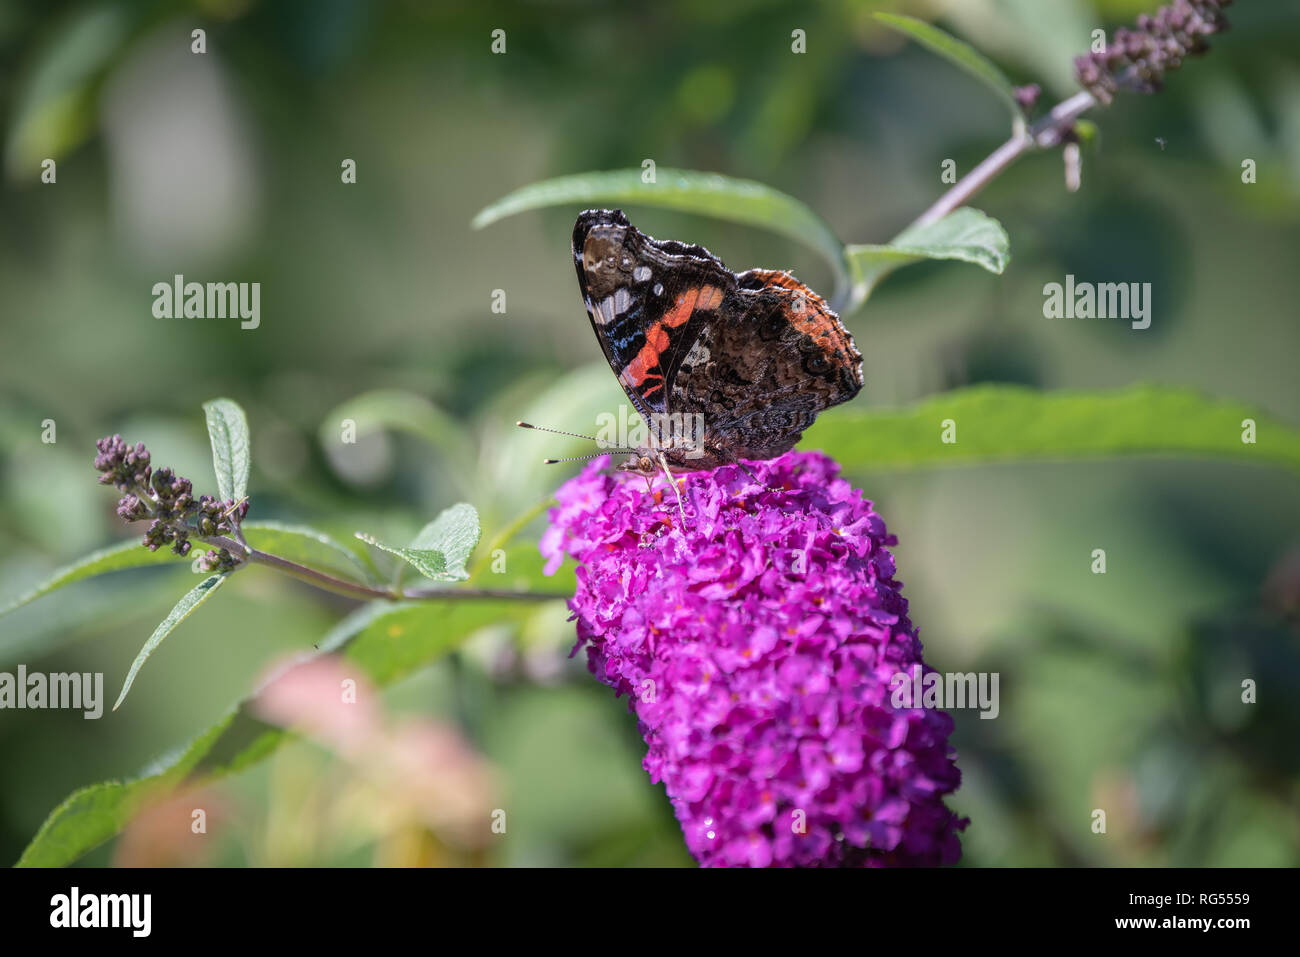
195,597
231,458
957,52
442,547
965,234
1000,423
709,194
306,546
114,558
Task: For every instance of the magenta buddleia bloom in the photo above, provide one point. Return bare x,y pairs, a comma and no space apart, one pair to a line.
757,646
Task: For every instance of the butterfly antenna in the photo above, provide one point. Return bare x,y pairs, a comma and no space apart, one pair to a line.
593,455
542,428
575,435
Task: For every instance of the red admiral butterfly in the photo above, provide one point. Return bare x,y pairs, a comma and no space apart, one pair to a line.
721,366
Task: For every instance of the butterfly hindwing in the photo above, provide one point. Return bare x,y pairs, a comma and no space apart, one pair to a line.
775,358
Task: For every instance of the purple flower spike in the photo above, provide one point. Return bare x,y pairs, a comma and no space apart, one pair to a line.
757,646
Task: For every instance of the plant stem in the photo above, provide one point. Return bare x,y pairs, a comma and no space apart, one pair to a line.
435,592
506,534
1047,132
341,586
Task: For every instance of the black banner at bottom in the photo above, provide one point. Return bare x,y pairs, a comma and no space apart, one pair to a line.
925,908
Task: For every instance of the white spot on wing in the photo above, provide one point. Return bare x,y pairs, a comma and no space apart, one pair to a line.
641,273
603,311
699,353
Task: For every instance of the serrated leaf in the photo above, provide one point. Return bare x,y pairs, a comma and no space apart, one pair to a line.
1000,423
388,641
442,547
114,558
195,597
306,546
965,234
455,533
709,194
228,432
957,52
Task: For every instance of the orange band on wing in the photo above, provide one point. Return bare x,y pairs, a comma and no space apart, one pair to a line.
656,335
681,311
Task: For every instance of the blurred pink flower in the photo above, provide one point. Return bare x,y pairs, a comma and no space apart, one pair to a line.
422,765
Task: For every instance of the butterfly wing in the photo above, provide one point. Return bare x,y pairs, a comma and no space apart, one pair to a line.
774,357
647,301
754,356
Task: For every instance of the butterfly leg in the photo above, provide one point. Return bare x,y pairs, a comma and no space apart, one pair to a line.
741,465
745,468
663,462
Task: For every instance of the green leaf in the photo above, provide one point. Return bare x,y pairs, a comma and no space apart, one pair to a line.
387,641
965,234
228,431
709,194
91,815
114,558
195,597
1000,423
306,546
443,546
957,52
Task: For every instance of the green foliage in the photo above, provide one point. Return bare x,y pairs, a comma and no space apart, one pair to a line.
964,234
55,112
998,423
442,547
960,54
193,598
967,235
310,547
113,558
231,451
387,641
708,194
1151,741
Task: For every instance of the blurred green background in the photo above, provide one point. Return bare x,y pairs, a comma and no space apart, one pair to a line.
1118,691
